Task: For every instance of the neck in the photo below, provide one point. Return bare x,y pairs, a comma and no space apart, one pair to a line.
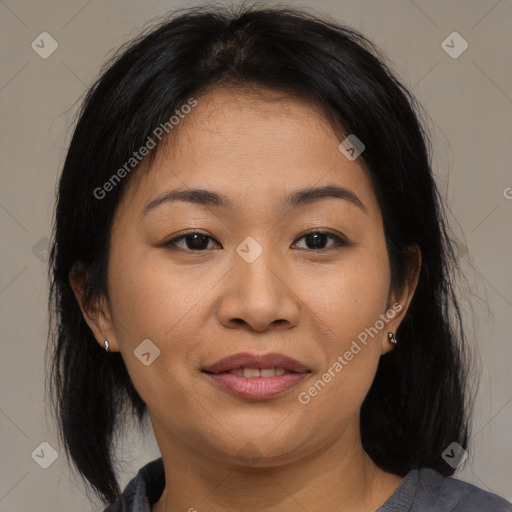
340,477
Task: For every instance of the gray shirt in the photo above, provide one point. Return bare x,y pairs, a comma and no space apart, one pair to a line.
422,490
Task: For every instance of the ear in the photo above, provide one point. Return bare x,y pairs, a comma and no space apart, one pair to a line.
400,299
97,314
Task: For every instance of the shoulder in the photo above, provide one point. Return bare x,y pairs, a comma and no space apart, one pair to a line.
436,492
144,489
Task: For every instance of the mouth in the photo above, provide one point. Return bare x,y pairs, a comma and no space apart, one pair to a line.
248,361
251,372
256,377
256,388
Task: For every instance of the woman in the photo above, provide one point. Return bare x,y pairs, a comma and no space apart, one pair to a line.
250,248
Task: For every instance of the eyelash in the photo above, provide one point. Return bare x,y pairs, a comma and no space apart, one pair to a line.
340,242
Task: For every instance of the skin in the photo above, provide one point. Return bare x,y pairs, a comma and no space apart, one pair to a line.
198,306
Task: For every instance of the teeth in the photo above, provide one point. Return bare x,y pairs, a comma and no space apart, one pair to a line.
254,372
251,372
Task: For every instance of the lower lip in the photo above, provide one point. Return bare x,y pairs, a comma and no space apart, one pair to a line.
256,388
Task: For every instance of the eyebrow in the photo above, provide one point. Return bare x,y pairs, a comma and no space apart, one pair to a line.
296,199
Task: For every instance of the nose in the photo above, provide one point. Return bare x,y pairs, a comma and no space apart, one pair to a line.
259,295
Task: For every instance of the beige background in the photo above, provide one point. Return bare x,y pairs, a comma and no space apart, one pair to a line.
468,98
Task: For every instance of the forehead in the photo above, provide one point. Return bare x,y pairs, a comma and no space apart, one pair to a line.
255,146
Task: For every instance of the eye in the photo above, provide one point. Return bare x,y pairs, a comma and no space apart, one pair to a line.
318,239
194,241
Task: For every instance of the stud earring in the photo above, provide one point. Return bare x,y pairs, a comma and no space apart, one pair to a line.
391,338
106,345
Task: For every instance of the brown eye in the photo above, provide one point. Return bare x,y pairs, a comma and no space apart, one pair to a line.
198,242
194,241
316,240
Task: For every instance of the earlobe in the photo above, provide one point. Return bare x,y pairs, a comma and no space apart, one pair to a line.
96,314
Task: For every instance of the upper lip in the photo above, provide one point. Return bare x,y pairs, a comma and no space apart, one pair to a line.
248,360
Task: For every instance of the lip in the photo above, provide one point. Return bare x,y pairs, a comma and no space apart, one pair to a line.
249,360
256,388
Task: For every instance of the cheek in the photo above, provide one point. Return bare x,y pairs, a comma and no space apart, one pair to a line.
366,290
350,296
152,303
347,304
153,297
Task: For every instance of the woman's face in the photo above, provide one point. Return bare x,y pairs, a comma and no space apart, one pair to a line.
254,283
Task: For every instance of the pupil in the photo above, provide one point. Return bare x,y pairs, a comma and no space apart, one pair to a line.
315,237
200,241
